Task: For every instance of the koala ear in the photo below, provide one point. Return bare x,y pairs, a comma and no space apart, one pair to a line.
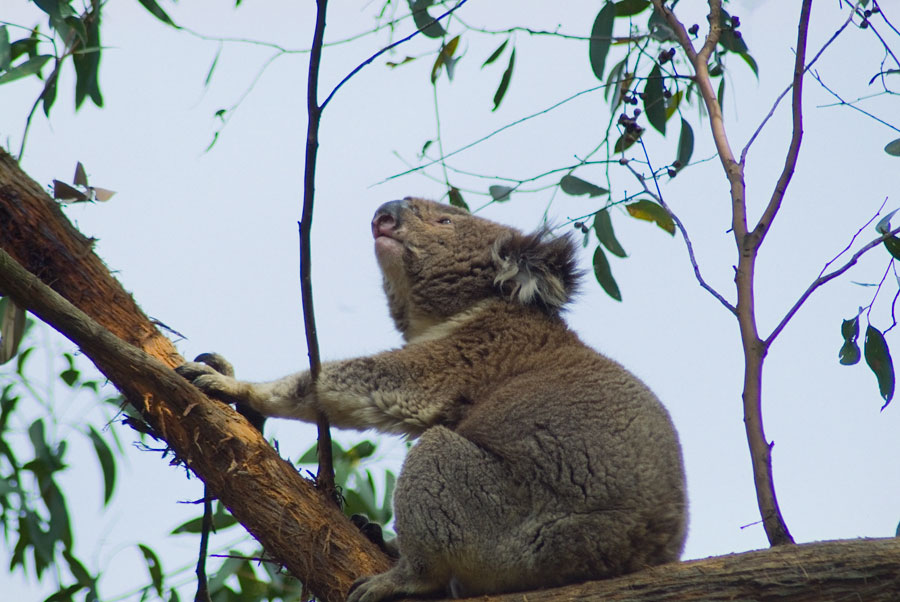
536,268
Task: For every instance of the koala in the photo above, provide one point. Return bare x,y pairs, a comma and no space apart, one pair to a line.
538,461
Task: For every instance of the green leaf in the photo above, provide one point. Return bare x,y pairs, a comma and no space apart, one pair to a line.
727,39
685,146
424,22
107,464
87,63
893,148
212,67
456,199
604,230
500,193
32,66
48,96
720,94
154,567
604,275
627,8
601,38
654,101
892,244
878,357
156,11
576,186
504,81
749,60
652,212
5,52
495,55
849,354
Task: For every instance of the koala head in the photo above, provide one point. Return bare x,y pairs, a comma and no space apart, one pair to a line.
439,260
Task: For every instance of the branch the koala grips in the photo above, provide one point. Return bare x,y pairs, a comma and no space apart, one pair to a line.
528,440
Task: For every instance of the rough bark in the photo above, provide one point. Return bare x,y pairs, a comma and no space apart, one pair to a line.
295,524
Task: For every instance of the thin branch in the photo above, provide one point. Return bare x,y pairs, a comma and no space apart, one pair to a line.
824,279
325,476
202,594
681,228
359,67
887,49
491,134
790,161
843,102
809,65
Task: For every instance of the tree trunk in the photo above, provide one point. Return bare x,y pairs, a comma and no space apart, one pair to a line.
294,523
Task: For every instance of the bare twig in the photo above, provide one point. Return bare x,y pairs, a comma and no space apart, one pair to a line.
842,102
491,135
325,476
359,67
680,225
809,65
823,279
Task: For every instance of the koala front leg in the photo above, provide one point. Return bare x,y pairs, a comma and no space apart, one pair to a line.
288,397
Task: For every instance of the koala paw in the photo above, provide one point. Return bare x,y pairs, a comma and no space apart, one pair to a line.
375,534
373,589
212,374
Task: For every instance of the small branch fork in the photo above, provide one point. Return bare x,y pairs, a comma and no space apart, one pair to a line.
748,243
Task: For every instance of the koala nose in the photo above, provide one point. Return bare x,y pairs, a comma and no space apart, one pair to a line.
387,217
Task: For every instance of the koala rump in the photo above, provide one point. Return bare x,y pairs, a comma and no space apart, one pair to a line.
539,461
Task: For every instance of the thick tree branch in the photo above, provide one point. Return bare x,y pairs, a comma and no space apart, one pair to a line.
282,510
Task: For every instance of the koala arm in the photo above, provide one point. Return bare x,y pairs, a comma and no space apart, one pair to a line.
399,391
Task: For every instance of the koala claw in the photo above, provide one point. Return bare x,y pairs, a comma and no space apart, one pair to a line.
372,589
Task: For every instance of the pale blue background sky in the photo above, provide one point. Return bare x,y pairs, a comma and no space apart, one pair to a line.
207,242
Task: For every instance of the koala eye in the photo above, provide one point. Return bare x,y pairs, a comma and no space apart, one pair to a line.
445,220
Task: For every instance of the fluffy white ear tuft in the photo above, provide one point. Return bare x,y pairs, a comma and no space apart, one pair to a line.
535,269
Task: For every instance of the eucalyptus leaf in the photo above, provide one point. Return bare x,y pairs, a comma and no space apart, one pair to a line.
154,567
601,38
849,354
878,358
32,66
629,8
495,55
652,212
107,464
500,193
504,81
654,101
893,148
604,275
685,145
576,187
456,199
604,230
892,244
5,52
424,22
156,11
884,224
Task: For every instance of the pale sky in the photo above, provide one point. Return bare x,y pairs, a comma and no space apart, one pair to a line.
207,242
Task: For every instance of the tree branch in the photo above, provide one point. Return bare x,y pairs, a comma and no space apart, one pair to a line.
790,161
823,279
325,473
265,493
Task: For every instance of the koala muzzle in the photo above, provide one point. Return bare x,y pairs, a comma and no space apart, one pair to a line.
387,218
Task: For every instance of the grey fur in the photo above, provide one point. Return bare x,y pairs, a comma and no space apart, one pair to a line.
539,462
